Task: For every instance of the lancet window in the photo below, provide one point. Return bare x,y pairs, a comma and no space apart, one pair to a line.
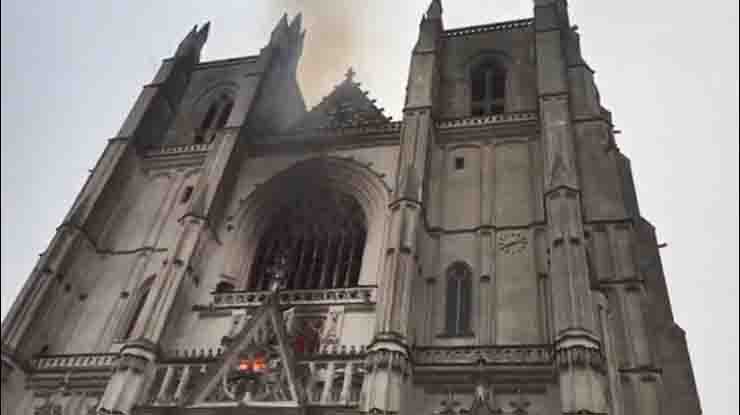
459,281
216,116
488,89
319,240
140,297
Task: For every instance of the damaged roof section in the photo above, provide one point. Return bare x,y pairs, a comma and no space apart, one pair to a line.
346,106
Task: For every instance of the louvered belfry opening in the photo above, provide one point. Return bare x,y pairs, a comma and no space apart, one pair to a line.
319,236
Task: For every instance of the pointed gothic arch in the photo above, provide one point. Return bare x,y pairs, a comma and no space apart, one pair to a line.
215,117
488,79
346,184
211,111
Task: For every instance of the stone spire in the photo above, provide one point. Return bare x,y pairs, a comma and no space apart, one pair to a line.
434,11
430,27
193,42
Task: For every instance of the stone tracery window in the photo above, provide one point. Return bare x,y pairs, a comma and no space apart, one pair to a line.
459,281
488,88
320,236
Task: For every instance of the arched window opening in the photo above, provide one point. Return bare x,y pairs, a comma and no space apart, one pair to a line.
488,89
225,112
319,237
210,115
459,280
215,118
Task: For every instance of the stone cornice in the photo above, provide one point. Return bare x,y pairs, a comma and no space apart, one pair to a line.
330,138
517,126
226,62
438,230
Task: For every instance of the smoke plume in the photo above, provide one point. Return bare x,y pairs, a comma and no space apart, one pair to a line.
331,45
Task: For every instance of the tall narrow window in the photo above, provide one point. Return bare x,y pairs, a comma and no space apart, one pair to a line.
210,115
216,117
224,116
488,89
186,194
141,297
459,283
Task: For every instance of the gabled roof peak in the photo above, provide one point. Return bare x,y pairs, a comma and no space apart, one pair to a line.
346,106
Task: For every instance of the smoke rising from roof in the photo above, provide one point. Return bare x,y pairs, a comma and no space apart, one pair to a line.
333,31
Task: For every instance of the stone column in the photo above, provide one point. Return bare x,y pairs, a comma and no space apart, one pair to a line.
580,360
388,359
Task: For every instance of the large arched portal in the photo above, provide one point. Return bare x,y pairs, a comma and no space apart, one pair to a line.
318,236
324,218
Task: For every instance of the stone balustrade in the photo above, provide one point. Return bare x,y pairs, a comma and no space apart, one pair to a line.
177,150
75,362
479,121
334,383
327,382
355,295
173,381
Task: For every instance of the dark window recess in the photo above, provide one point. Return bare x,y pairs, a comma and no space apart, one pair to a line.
186,194
488,89
225,112
459,163
224,286
209,116
317,241
137,312
459,287
215,118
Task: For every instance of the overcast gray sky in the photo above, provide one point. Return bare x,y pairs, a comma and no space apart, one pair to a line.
667,69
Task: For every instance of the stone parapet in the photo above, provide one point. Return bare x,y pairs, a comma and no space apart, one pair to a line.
472,30
241,299
496,355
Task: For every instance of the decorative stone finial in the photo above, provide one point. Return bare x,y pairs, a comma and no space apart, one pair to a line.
350,75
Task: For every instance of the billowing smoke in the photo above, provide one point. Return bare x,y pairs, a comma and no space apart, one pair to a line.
331,45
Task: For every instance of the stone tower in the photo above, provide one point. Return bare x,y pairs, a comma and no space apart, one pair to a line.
235,252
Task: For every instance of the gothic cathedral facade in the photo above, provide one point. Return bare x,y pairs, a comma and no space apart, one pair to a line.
234,252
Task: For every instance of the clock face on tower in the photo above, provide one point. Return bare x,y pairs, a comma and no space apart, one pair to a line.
512,242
